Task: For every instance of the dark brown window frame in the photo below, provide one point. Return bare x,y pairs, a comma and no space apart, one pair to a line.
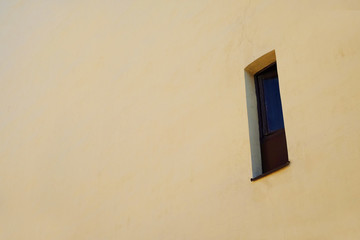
276,146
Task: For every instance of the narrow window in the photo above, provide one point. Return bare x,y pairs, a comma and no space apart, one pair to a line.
271,123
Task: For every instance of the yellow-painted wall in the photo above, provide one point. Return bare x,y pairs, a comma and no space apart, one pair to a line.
128,120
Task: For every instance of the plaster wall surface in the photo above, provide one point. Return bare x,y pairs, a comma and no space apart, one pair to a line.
128,120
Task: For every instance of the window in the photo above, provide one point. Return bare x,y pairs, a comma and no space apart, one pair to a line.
271,123
265,116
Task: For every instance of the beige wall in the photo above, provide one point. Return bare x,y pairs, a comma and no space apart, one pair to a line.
127,120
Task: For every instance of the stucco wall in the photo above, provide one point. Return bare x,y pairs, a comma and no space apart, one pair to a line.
128,120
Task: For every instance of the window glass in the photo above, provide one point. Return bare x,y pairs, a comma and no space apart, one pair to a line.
273,108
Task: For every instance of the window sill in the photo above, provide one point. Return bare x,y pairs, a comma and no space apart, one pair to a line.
269,172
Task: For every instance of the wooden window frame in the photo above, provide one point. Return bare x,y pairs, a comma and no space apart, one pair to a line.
278,136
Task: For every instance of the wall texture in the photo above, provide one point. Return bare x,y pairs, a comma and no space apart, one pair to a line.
128,120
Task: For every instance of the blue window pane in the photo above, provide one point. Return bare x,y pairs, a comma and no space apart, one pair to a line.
273,108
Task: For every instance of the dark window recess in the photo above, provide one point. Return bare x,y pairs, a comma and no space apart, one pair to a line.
271,123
